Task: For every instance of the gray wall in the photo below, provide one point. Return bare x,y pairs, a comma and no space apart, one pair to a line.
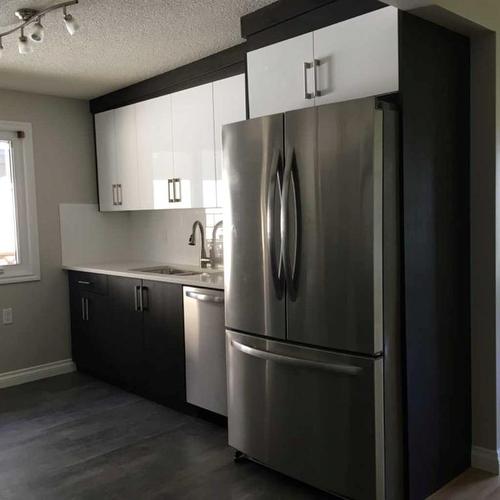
65,172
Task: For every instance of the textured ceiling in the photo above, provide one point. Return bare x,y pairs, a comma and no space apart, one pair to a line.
119,42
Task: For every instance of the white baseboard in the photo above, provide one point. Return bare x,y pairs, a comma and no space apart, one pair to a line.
17,377
485,459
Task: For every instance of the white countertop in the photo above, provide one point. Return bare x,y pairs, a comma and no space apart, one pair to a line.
210,278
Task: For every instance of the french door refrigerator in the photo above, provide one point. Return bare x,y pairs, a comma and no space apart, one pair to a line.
311,283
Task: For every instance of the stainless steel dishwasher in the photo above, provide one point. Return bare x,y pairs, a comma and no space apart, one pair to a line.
204,335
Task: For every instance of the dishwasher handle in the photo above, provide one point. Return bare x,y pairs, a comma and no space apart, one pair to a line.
205,297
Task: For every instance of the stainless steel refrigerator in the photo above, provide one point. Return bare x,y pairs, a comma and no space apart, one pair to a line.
312,286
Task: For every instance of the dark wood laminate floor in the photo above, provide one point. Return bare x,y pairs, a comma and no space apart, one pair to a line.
74,437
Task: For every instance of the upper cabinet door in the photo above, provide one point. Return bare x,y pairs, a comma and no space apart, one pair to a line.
155,155
106,159
193,140
358,57
229,107
126,158
280,76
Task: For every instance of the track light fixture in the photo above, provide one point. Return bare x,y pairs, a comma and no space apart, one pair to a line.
34,17
23,44
71,24
37,32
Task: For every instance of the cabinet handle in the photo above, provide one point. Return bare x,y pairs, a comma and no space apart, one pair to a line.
136,297
307,94
81,282
120,194
177,182
114,194
85,309
316,64
170,190
144,296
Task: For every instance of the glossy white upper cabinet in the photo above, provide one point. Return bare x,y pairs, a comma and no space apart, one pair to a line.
126,158
280,76
194,148
348,60
106,160
155,157
229,107
357,58
167,152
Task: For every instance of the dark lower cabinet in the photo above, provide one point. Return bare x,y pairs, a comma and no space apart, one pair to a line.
164,342
124,336
89,307
130,333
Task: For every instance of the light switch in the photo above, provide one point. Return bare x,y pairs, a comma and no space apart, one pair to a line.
7,316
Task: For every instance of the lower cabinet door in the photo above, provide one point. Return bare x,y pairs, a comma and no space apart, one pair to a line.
314,415
122,343
81,345
164,342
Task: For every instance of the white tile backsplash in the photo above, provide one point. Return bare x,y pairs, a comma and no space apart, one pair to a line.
90,236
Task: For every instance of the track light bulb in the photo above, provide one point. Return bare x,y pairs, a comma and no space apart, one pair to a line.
38,32
71,25
23,44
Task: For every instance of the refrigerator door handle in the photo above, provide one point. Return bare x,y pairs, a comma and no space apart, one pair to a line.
289,179
296,362
276,261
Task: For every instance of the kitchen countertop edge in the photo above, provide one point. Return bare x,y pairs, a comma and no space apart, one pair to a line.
210,279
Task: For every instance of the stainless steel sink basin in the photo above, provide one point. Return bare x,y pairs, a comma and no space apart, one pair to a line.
167,270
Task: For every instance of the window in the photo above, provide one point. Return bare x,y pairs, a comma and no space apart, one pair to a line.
19,259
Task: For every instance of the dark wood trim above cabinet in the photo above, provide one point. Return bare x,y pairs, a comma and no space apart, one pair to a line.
274,23
277,13
289,18
229,62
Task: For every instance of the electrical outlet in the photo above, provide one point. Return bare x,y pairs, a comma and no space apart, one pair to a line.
7,316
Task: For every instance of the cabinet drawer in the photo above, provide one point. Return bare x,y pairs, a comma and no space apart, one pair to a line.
95,283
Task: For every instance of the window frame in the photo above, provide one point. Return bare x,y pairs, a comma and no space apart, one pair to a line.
28,268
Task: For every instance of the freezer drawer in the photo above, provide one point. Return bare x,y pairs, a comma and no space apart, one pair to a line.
314,415
205,349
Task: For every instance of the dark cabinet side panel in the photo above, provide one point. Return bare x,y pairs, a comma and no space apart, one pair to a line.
435,124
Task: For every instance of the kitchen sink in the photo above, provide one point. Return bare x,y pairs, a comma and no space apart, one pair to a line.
167,270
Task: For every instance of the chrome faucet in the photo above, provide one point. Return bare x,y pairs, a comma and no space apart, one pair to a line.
192,241
213,250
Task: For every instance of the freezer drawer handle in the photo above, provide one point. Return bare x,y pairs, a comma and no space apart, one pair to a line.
205,297
298,362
